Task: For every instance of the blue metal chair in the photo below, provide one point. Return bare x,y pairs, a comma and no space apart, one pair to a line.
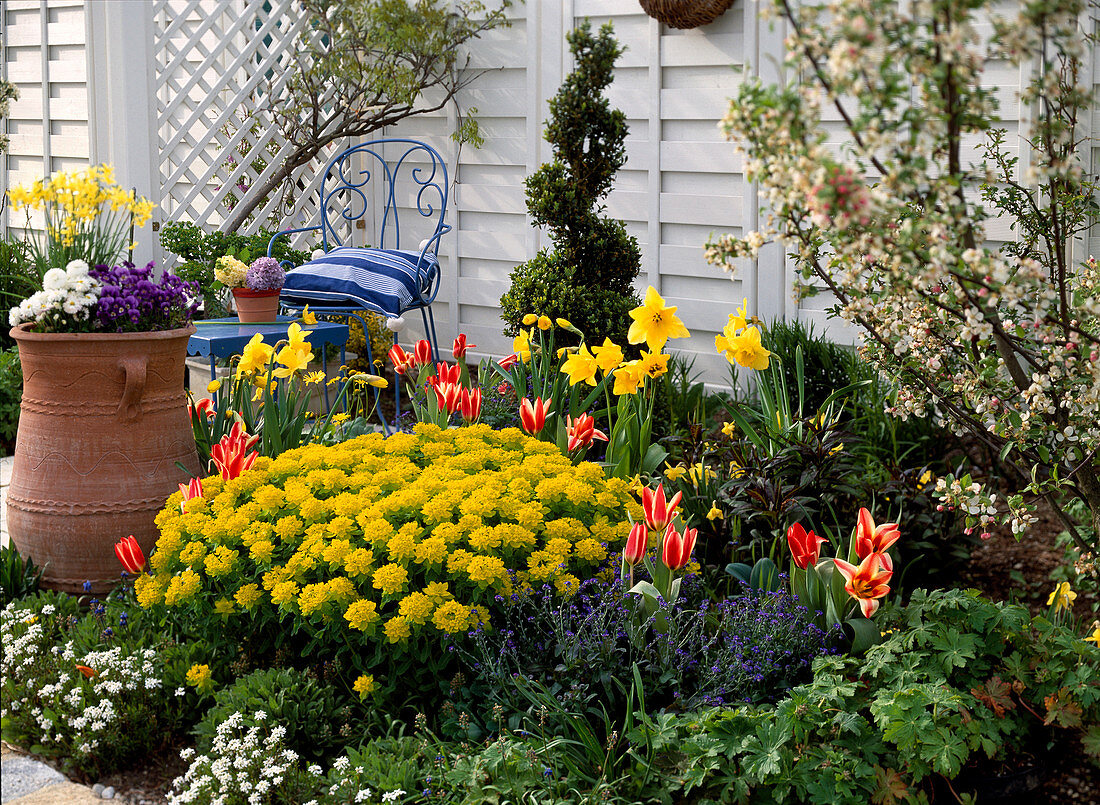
386,279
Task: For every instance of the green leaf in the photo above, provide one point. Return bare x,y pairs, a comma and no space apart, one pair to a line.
862,633
739,570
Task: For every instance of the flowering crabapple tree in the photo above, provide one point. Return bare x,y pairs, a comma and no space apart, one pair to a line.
1001,341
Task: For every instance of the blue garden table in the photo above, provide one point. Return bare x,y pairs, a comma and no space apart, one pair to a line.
221,338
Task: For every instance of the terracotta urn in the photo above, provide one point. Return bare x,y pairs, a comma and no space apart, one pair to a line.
103,422
256,306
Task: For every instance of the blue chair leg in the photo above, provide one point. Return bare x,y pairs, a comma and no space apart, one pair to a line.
429,331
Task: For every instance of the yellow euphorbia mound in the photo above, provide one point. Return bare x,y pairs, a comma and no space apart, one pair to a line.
391,538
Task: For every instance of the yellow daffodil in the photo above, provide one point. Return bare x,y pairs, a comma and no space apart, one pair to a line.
545,323
1095,636
746,350
530,319
213,386
521,344
308,316
700,474
715,513
608,356
628,377
297,338
654,322
565,324
364,379
675,473
292,360
255,356
581,365
729,429
654,365
1062,597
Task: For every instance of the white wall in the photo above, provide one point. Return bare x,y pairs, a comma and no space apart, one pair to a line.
161,77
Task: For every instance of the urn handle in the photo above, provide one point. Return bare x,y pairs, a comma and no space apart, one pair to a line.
129,409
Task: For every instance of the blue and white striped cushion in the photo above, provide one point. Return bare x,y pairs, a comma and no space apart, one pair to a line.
380,279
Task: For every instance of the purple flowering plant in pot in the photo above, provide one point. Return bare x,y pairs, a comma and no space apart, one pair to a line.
255,287
103,427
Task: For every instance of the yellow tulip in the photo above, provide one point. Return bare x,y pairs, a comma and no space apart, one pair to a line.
213,386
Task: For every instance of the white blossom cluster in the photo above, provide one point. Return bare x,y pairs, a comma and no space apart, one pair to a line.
243,766
45,689
1004,342
252,765
67,292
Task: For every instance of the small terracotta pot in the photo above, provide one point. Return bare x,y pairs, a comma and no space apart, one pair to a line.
102,424
256,306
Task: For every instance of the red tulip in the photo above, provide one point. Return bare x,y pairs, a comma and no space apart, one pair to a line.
203,406
658,514
190,490
676,550
129,554
470,405
582,432
871,538
805,547
868,582
635,544
532,416
422,353
449,396
509,362
400,359
448,373
460,347
230,455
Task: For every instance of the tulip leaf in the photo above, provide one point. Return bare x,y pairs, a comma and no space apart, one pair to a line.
645,588
739,570
653,458
863,633
764,575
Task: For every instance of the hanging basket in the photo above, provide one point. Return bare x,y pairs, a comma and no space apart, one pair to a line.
685,13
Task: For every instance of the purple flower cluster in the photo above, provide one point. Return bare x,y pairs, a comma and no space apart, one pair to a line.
132,302
265,274
749,647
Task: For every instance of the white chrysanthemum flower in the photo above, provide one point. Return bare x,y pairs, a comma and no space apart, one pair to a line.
55,279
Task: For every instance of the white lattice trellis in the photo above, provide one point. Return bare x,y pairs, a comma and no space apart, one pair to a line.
216,63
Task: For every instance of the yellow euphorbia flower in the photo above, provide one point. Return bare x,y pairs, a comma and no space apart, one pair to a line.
364,686
654,322
608,356
581,365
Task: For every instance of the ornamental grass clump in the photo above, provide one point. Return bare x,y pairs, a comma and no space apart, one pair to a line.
376,548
